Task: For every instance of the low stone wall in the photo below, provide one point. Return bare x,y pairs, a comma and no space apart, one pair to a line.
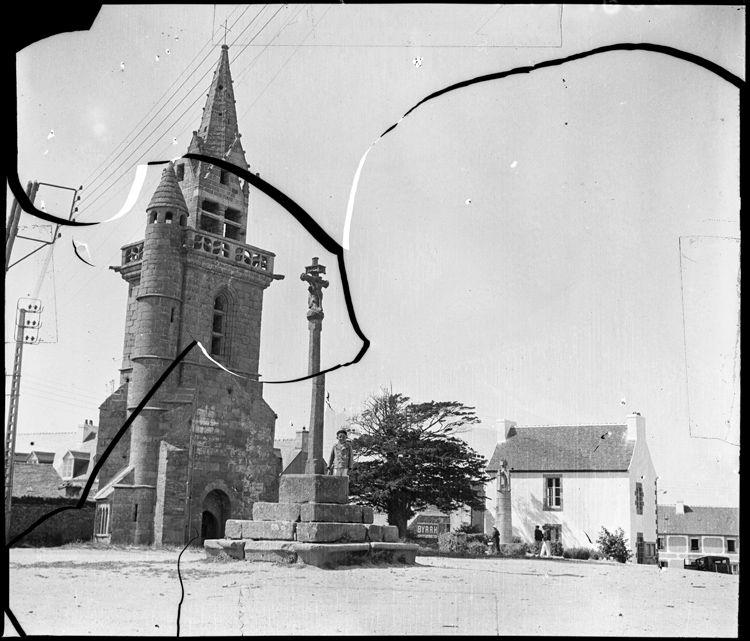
65,527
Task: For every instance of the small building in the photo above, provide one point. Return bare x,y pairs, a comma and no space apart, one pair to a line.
40,458
575,480
37,491
430,523
687,532
293,452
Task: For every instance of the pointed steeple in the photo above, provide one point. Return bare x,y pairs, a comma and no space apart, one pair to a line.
168,194
218,128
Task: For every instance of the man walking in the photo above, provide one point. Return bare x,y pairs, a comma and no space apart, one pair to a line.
546,544
538,540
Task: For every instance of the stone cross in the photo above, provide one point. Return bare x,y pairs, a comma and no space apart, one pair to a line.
313,277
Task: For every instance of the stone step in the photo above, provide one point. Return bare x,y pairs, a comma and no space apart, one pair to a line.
313,488
309,531
317,554
331,532
324,512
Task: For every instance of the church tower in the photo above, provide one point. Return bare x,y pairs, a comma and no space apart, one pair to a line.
201,451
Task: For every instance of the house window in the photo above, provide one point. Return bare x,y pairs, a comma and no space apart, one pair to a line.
660,543
639,498
731,545
552,492
218,330
67,471
695,545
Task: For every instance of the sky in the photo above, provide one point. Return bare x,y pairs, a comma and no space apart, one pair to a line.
556,247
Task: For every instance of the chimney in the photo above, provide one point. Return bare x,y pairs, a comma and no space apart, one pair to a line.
503,427
301,440
636,427
679,507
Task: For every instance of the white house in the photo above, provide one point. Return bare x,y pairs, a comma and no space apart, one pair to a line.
687,532
576,479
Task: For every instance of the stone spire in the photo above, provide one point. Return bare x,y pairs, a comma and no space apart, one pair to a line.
168,194
218,130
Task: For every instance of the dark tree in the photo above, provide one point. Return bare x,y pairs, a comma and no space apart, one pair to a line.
407,458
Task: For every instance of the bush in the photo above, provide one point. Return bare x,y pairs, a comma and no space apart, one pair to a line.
580,553
614,545
466,528
452,542
481,537
477,548
514,549
556,548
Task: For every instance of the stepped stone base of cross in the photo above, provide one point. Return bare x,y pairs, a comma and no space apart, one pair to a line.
313,523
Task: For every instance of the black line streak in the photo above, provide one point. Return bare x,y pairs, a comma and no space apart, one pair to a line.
14,621
26,205
84,495
75,249
316,231
182,587
624,46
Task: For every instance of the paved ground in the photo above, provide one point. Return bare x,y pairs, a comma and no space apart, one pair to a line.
136,592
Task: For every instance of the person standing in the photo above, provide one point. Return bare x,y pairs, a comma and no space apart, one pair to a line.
538,540
342,455
496,540
546,544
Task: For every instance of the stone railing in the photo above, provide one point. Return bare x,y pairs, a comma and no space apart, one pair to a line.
132,253
230,250
211,244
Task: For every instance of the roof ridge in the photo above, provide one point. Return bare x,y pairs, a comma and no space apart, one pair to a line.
570,425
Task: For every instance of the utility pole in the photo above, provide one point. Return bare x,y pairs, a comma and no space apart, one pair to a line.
11,229
27,331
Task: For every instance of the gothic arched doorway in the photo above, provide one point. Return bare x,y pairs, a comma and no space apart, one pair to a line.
216,511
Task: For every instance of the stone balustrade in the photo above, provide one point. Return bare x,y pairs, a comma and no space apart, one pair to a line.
215,245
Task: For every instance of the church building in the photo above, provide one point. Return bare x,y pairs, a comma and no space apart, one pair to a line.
202,450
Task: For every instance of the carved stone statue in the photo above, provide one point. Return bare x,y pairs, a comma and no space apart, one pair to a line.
504,476
315,287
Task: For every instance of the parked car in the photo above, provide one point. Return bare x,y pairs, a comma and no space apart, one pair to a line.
718,564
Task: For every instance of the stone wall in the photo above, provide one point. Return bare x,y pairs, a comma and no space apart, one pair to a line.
132,517
169,522
112,416
66,527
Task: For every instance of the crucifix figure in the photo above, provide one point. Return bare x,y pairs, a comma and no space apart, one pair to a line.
315,285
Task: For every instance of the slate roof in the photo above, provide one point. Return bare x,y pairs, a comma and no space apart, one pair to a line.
82,456
565,448
168,193
43,457
699,520
110,487
40,481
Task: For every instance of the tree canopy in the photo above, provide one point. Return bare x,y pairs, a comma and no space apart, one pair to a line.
408,457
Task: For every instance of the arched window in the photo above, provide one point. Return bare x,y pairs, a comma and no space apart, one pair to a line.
183,220
218,330
168,218
152,217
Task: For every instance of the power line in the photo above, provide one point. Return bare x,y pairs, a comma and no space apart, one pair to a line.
145,152
147,119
